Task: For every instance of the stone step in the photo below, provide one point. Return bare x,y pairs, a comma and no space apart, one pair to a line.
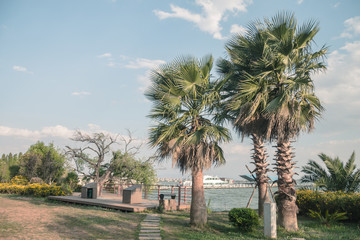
150,224
153,238
149,235
150,230
150,227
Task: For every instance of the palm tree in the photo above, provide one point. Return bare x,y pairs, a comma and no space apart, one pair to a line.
182,96
280,90
293,107
336,176
238,107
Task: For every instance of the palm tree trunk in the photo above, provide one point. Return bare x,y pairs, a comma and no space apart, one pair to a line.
259,157
286,199
198,213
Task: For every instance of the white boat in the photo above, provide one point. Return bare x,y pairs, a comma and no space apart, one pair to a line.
209,181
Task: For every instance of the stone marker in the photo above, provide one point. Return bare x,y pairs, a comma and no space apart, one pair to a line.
90,190
132,194
270,220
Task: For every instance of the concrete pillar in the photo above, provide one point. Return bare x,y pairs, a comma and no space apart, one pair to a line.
270,220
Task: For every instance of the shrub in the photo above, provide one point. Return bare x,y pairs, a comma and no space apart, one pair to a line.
38,190
245,219
327,218
36,180
329,201
19,180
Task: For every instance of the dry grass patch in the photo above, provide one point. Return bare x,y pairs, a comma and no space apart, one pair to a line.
37,218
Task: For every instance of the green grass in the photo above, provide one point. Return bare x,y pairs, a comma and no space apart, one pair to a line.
176,226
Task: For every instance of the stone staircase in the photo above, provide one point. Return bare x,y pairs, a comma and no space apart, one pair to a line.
150,227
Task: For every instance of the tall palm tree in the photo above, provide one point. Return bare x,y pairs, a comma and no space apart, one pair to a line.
293,107
280,90
238,107
336,176
182,95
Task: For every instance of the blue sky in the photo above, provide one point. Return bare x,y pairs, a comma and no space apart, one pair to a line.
67,65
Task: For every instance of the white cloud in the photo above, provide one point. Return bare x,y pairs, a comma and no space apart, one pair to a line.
17,132
21,69
300,1
131,63
94,127
144,81
19,140
340,84
144,63
237,148
112,64
213,12
336,5
83,93
57,131
53,131
105,55
237,29
352,27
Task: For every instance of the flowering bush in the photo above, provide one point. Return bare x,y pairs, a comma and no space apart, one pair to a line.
19,180
329,201
38,190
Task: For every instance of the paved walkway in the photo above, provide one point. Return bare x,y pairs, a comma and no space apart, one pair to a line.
150,227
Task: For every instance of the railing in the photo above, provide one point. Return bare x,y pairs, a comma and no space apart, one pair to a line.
151,192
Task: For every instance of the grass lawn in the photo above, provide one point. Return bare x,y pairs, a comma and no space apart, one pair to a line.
176,226
37,218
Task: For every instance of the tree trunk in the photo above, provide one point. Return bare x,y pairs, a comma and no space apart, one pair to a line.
103,179
286,199
198,212
261,170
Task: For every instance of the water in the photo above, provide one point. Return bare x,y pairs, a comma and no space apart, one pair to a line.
226,199
222,199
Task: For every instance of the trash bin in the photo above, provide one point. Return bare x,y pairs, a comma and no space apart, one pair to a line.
89,193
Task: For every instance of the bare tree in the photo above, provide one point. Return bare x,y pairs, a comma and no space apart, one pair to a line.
97,155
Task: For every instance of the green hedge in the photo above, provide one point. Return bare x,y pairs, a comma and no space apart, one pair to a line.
38,190
331,201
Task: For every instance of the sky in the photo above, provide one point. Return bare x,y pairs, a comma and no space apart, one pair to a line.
85,64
